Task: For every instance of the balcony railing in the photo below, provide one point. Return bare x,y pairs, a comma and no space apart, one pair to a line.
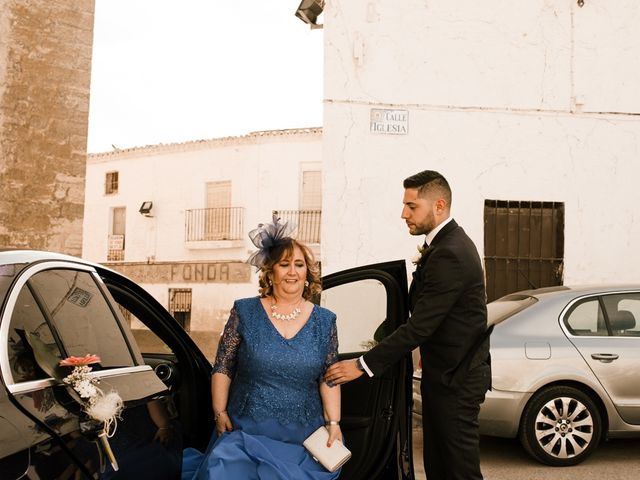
208,224
307,221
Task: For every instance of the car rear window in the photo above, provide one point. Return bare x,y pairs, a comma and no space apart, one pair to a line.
499,310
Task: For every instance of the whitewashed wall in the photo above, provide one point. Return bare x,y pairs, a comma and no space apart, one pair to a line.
265,171
509,100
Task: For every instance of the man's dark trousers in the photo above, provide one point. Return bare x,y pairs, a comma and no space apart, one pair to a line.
450,426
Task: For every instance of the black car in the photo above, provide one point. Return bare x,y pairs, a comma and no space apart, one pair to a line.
65,306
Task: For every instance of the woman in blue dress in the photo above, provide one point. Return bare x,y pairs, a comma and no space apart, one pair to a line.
267,383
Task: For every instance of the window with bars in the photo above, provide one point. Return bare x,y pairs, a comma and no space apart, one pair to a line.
180,306
523,245
111,183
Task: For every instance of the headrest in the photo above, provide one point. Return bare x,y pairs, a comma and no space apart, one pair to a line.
623,320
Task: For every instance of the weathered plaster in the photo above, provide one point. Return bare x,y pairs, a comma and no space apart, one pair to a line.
45,59
508,100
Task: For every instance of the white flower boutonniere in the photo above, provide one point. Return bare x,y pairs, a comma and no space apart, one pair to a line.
416,258
422,251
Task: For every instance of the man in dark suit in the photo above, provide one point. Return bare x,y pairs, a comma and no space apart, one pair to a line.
449,323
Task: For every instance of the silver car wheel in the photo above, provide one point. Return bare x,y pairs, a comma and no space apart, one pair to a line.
560,426
564,427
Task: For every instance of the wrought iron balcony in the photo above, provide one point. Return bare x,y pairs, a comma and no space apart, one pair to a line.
210,224
307,221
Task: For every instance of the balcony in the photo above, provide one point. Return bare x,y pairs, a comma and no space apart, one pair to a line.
214,224
307,222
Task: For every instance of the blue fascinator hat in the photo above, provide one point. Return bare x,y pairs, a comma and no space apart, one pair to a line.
266,237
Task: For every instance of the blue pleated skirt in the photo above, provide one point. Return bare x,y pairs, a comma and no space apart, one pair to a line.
264,450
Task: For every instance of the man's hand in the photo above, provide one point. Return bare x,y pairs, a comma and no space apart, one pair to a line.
342,372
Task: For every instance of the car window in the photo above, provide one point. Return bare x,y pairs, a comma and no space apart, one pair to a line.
28,318
81,315
623,311
586,319
148,342
361,309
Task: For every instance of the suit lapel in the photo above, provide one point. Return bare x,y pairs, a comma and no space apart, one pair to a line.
448,228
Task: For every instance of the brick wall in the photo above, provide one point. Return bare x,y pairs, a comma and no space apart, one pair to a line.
45,69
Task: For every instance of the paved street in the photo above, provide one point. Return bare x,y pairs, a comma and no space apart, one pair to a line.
504,459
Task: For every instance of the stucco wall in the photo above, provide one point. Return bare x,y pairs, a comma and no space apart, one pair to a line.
510,101
45,64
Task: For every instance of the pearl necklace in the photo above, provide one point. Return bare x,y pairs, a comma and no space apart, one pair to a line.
286,317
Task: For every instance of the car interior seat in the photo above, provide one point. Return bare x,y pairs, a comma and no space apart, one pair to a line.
623,323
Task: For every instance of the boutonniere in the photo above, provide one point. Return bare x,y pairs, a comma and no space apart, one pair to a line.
422,251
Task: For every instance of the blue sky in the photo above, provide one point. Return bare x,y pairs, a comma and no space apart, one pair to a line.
168,71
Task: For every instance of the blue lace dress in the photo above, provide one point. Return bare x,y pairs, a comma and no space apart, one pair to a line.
274,399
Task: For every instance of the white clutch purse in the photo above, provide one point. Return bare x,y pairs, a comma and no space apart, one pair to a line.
331,458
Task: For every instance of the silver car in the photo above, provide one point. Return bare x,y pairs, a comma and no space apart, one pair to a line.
566,370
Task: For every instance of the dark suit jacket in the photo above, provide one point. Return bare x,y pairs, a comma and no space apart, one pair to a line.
448,312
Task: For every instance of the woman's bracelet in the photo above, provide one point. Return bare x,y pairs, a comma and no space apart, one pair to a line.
329,423
217,415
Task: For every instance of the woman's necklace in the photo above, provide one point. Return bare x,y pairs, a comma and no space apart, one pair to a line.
295,313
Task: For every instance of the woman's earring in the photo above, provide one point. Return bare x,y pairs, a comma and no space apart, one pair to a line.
269,282
306,283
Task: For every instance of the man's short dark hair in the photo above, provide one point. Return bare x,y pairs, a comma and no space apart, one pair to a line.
428,181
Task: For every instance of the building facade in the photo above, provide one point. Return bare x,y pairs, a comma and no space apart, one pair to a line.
175,218
530,111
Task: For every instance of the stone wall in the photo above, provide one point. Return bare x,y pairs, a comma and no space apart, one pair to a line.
45,70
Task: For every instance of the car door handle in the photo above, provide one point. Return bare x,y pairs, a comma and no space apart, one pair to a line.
605,357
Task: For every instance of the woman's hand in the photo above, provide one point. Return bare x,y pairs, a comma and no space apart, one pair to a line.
223,423
334,434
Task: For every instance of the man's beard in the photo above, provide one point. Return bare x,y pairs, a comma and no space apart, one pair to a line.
424,228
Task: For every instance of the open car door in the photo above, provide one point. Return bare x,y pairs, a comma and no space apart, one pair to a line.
54,307
173,355
371,302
